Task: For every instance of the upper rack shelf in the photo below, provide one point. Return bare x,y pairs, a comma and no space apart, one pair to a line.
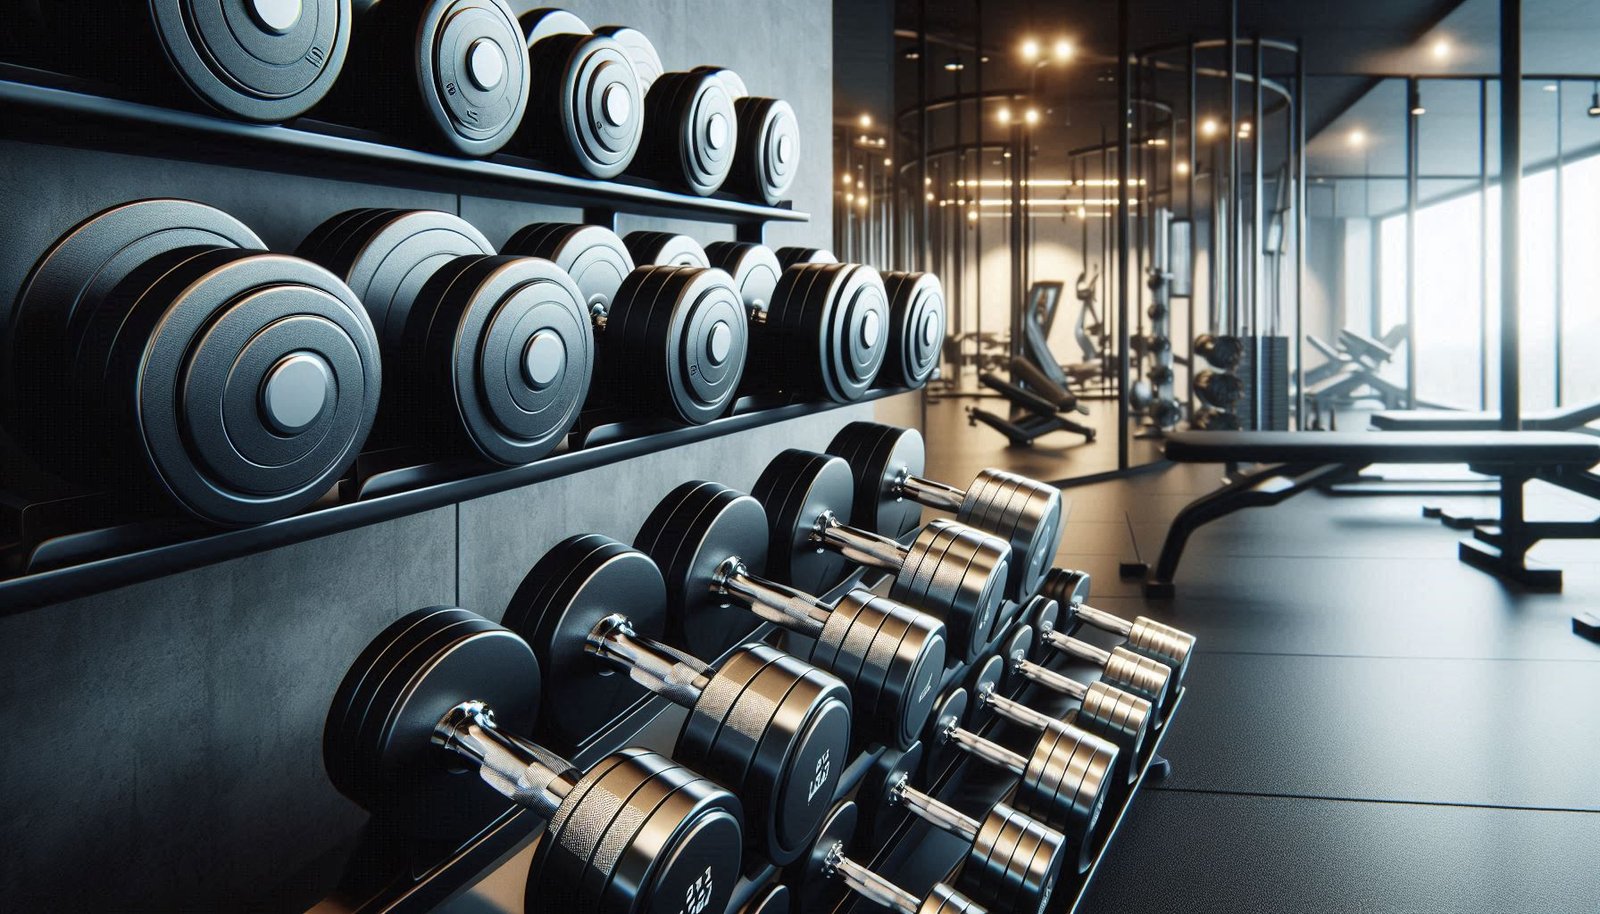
55,108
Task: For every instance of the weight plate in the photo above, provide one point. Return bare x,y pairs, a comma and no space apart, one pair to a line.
564,596
548,22
768,156
641,53
901,654
774,899
1014,862
838,327
666,249
789,256
816,886
1027,514
587,85
879,813
949,711
677,338
966,577
503,344
690,535
916,327
1044,614
1149,679
1122,718
472,70
595,257
1162,642
987,676
733,81
1019,646
894,453
942,899
754,269
695,135
797,488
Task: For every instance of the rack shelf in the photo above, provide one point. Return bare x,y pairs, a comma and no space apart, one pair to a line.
41,105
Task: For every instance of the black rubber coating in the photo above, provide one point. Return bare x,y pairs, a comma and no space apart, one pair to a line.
693,132
587,85
768,156
595,257
666,249
789,256
675,344
916,327
754,269
828,329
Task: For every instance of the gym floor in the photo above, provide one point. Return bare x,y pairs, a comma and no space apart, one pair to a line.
1370,726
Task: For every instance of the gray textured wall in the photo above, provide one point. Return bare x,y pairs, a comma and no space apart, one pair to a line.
165,751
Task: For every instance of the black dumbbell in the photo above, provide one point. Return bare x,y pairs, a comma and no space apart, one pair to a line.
691,130
773,899
768,154
157,348
452,74
1160,375
1165,412
430,713
488,354
891,491
258,60
585,105
595,258
1215,420
1225,352
666,249
916,327
770,727
670,341
1218,388
1064,779
1120,717
823,878
710,543
1144,635
951,571
1012,860
755,271
1149,679
789,256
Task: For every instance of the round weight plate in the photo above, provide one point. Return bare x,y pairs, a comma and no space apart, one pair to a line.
895,657
641,53
547,22
938,751
967,574
260,60
768,156
874,797
816,886
585,83
1067,587
1120,717
505,342
666,249
774,899
1162,642
1043,614
472,69
1015,861
797,488
850,330
1027,514
1147,678
987,676
1017,647
402,685
733,81
895,454
789,256
564,596
942,899
696,132
754,269
681,336
689,535
595,257
916,327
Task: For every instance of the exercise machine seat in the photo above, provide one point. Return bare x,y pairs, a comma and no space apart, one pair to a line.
1365,448
1561,419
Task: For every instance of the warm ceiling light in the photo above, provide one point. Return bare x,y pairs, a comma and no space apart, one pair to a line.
1441,49
1031,116
866,119
849,198
1063,49
1007,154
846,179
1357,138
888,162
1030,49
930,198
1417,109
1209,126
1183,168
1005,115
913,54
862,201
1083,212
1244,126
972,215
954,65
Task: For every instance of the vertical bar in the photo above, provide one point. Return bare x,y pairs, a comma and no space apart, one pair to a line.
1413,155
922,135
1258,234
1189,209
1124,170
1510,212
1231,130
1018,238
1301,223
1560,242
982,119
955,304
1483,244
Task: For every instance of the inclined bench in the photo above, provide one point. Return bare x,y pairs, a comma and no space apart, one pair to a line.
1288,463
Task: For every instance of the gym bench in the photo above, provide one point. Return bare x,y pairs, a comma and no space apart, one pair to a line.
1293,462
1563,419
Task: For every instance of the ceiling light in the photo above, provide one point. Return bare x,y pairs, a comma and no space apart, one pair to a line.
1183,168
887,162
1031,116
1063,49
1030,49
862,201
1594,100
866,120
1007,154
1005,115
1417,110
954,65
1209,126
972,215
1357,138
913,54
1441,48
1550,87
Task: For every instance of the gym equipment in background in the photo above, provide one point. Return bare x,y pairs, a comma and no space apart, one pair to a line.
1038,394
156,346
425,732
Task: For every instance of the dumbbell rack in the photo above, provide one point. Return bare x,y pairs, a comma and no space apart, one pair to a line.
57,546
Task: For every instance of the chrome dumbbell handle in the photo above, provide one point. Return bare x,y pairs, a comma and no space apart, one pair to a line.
776,603
528,774
926,492
662,669
1050,679
975,745
1015,711
1101,619
939,815
1072,647
859,546
867,884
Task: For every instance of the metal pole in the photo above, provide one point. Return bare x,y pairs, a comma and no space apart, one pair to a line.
1413,139
1189,209
1560,245
1124,170
959,285
922,135
1018,239
1231,129
1510,212
1258,239
1301,222
1483,244
980,115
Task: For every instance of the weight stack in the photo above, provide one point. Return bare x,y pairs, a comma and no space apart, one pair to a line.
1266,409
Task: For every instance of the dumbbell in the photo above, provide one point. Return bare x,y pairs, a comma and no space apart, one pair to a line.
890,493
489,354
1218,388
158,348
1012,860
773,899
257,60
768,153
1064,779
789,256
692,131
826,875
1165,412
770,727
710,543
585,104
430,713
1215,420
755,271
1144,635
1160,374
1225,352
1108,712
451,74
916,327
823,334
1149,679
666,249
954,572
669,341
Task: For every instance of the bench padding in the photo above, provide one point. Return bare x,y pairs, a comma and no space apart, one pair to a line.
1448,420
1359,449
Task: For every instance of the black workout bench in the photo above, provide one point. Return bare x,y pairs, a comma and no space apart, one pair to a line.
1293,462
1561,419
